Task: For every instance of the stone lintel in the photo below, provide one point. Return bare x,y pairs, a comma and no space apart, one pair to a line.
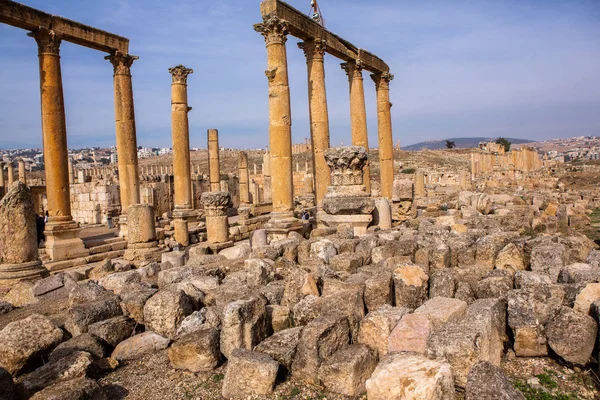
28,18
303,27
216,247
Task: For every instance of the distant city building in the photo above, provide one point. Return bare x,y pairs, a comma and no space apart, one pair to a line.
165,150
145,152
114,158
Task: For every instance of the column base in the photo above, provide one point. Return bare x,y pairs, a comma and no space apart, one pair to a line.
63,242
33,270
281,224
359,223
138,252
180,224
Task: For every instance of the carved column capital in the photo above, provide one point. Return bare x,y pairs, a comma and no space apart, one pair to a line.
353,69
47,40
216,203
346,164
273,29
313,49
180,74
121,62
382,79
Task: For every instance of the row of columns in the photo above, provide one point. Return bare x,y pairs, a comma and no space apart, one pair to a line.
274,31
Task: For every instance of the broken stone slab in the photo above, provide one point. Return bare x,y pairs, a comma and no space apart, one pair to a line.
488,382
73,389
196,351
133,304
410,286
376,327
85,342
244,324
113,330
347,370
86,292
54,287
579,273
281,346
249,373
410,334
549,259
572,335
410,376
139,345
27,340
441,310
21,294
164,312
79,317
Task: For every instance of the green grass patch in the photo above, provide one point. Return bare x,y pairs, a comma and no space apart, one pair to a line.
532,393
218,377
408,171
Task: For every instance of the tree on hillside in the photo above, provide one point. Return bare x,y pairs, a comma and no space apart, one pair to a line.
502,141
450,144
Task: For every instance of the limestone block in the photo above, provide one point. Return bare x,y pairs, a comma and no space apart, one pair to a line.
249,373
410,285
279,316
298,284
510,258
139,345
164,312
347,370
579,272
378,290
402,190
585,298
140,223
409,376
324,250
549,259
441,310
87,342
376,327
133,303
410,334
196,351
17,227
25,340
80,316
244,325
442,284
572,335
71,389
113,330
488,382
281,346
496,284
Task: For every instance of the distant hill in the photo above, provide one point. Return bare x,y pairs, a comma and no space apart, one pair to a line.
464,143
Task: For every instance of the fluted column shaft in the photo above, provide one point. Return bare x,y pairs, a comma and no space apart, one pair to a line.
319,118
181,138
214,168
358,113
384,128
274,31
54,128
125,128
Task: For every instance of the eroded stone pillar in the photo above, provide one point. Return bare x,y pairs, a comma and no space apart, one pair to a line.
22,172
62,233
2,181
419,184
314,51
126,134
71,172
215,208
214,168
10,172
244,178
274,31
266,170
384,129
358,113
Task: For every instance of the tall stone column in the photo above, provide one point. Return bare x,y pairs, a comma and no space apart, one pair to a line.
419,184
358,112
214,168
181,152
274,31
10,172
314,51
266,171
126,134
71,172
62,233
244,178
2,181
384,128
22,173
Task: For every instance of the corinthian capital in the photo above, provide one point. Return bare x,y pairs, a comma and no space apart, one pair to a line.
47,40
121,62
180,74
382,79
313,49
273,29
353,69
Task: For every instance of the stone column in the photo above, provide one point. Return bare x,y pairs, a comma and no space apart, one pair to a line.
181,153
71,173
22,173
215,208
126,134
10,172
358,112
274,31
62,233
214,168
266,170
419,184
314,51
2,181
244,178
384,128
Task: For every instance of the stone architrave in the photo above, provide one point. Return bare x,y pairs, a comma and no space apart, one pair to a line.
384,127
214,169
181,153
314,50
18,247
274,31
358,113
62,233
11,173
215,208
22,173
129,184
347,200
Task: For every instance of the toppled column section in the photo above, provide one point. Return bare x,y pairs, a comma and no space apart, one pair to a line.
18,248
347,200
215,207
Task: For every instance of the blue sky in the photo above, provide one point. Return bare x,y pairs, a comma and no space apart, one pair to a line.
517,68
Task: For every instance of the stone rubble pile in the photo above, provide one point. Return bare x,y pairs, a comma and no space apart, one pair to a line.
415,312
